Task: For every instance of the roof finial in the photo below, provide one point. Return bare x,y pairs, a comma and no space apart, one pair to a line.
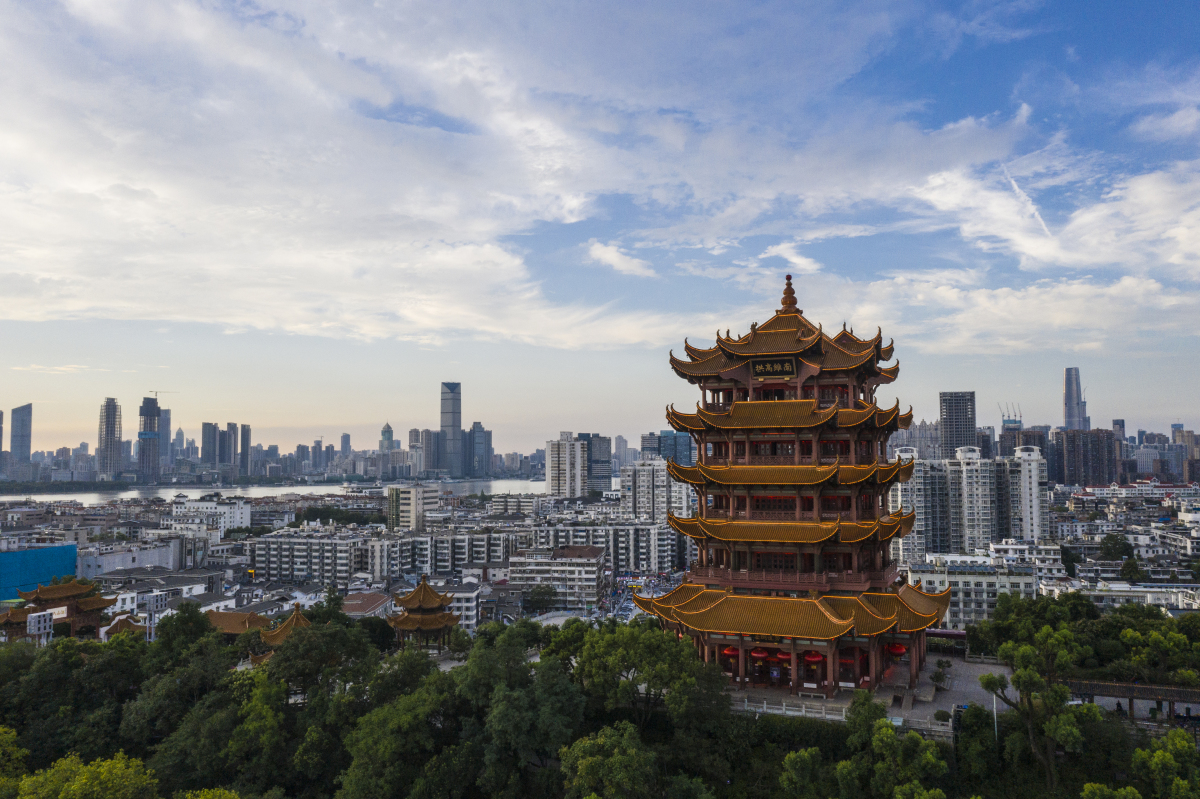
788,303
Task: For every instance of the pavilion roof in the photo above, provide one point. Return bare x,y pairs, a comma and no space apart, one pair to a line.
280,633
788,334
93,603
235,623
816,618
53,593
789,414
846,532
423,621
423,597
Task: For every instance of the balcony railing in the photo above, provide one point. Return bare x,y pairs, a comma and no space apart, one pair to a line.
772,460
775,515
825,581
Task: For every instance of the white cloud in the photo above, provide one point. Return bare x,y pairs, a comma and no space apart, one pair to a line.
611,255
800,264
1164,127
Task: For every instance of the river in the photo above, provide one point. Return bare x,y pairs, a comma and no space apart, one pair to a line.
167,492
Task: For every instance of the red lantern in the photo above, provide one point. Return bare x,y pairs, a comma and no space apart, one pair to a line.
896,649
730,651
758,654
813,657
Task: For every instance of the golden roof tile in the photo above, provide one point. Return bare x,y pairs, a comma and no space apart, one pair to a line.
423,597
753,475
235,623
765,616
93,603
423,621
49,593
709,367
280,633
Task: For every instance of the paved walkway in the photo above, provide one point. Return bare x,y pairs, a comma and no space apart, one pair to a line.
963,688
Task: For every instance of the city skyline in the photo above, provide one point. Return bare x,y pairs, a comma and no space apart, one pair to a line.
505,198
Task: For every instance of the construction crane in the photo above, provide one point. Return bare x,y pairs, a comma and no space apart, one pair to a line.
156,393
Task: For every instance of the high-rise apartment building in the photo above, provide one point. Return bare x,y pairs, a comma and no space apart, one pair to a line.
1028,495
1074,406
1084,457
452,433
108,440
478,446
148,444
975,513
346,451
318,454
928,495
244,464
646,490
1010,440
956,426
566,466
408,504
21,441
210,444
599,461
1118,426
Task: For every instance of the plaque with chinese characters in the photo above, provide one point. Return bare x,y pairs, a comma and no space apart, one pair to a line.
774,367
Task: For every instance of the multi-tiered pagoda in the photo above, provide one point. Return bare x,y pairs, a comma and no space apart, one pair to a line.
794,585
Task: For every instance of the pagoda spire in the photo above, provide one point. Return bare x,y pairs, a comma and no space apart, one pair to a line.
788,303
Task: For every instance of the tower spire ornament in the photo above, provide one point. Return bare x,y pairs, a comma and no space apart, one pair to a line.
788,303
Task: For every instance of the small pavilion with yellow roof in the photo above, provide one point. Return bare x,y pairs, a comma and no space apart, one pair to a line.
794,584
425,615
72,603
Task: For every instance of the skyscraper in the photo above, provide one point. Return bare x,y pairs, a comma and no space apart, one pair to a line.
956,426
22,434
318,454
108,439
147,454
479,451
1119,428
386,441
210,444
452,451
244,465
164,437
346,445
1074,407
232,455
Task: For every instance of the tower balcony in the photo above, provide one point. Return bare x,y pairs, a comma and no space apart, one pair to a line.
776,580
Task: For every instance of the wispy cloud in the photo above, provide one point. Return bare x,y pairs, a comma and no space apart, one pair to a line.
65,369
611,255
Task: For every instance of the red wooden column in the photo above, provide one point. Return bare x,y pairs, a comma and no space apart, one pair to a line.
792,673
914,668
857,666
742,663
831,669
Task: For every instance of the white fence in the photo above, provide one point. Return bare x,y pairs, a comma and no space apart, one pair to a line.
930,729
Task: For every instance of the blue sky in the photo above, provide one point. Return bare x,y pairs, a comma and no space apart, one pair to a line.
304,216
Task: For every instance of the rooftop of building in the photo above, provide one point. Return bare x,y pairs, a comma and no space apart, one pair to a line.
364,604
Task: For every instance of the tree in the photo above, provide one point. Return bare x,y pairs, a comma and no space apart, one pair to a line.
1040,702
379,632
1095,790
329,609
257,747
69,778
529,726
12,763
1069,560
1131,571
801,774
636,665
540,598
175,635
1169,767
460,643
611,764
391,745
1115,547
